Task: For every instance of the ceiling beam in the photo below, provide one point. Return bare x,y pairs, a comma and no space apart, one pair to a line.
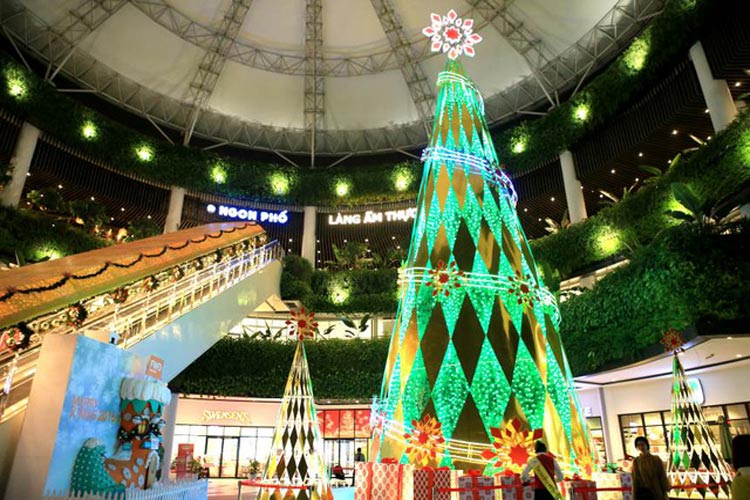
212,63
314,101
414,75
527,44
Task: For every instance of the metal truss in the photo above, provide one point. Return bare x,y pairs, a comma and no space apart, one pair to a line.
419,88
209,69
566,71
314,75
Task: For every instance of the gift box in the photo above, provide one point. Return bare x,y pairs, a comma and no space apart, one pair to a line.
614,480
571,488
383,481
470,481
526,493
427,480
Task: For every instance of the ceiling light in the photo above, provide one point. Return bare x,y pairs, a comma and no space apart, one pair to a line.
144,153
601,196
552,199
706,111
290,240
367,240
122,209
674,132
89,131
708,138
612,171
540,220
525,209
148,217
637,179
640,155
737,84
59,186
92,198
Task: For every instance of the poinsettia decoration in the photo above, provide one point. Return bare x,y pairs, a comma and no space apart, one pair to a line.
444,278
425,441
512,445
672,340
76,315
451,34
303,324
584,460
119,295
16,338
523,287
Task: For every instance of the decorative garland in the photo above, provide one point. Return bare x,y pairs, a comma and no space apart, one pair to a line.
22,336
10,292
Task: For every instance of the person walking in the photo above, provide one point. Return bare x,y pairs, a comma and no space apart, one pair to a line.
546,474
359,456
741,463
649,477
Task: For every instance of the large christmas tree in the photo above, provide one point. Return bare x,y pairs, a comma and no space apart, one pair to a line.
476,369
296,458
694,458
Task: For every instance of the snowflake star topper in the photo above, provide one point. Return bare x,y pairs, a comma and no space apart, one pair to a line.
451,34
672,340
302,324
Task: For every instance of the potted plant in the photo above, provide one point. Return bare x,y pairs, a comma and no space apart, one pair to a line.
253,469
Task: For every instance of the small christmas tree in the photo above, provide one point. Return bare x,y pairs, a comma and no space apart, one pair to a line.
694,458
296,457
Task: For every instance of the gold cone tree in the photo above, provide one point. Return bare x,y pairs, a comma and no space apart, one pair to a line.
694,457
296,457
475,346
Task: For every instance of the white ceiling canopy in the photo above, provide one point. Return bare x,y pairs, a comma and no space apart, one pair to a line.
315,76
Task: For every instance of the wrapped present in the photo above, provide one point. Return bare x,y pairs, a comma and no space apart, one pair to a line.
428,479
478,487
614,480
525,492
570,488
383,481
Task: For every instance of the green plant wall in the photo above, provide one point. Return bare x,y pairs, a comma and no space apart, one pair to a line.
340,369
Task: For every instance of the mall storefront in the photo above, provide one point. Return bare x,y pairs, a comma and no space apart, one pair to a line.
227,434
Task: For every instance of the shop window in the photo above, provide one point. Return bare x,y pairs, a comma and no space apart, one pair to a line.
597,435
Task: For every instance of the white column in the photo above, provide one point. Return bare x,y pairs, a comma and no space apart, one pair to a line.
19,164
573,191
174,215
716,92
309,236
170,415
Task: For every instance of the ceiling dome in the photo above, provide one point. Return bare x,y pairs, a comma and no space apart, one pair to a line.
322,76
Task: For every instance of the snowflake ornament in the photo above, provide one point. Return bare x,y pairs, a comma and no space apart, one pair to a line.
452,34
672,340
444,278
524,288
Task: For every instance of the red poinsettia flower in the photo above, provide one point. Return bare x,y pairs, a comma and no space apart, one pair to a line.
303,324
425,441
512,445
523,287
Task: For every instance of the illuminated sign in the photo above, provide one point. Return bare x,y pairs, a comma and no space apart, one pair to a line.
372,217
249,214
216,415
